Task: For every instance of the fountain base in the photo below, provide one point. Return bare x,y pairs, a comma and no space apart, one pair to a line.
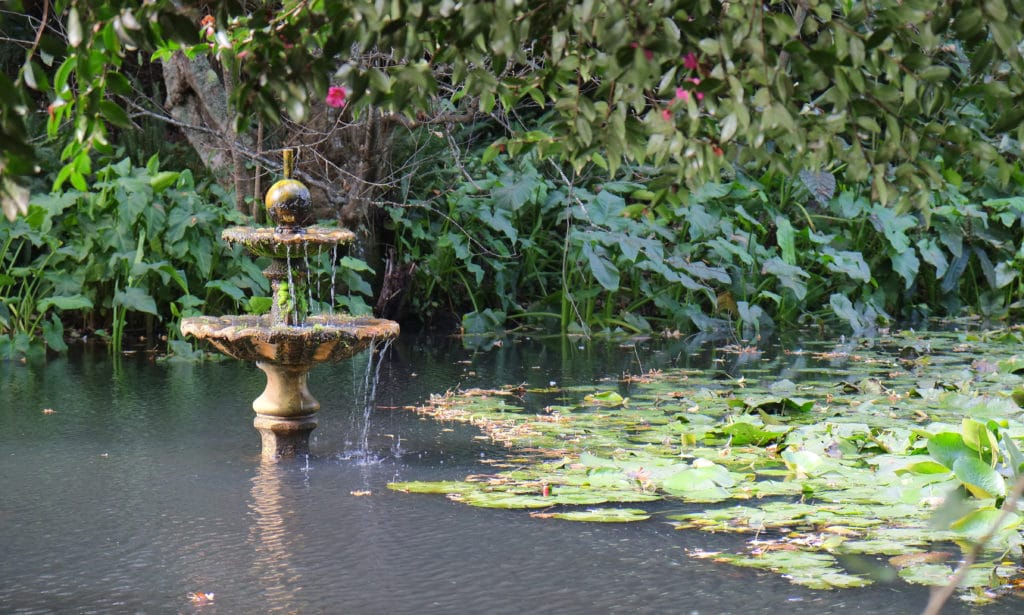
286,395
284,438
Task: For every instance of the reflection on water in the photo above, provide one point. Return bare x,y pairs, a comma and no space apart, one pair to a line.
270,538
145,485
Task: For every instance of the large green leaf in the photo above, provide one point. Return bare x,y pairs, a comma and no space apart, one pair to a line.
73,302
979,477
790,276
604,271
136,300
947,447
984,520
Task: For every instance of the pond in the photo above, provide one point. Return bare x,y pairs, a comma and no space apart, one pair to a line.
136,486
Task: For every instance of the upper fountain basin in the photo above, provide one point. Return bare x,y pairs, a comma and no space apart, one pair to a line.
323,337
286,242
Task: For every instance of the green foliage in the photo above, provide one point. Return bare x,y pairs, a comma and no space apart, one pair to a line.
523,245
693,87
138,245
669,164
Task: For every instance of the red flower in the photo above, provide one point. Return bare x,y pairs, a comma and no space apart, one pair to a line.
648,54
207,24
696,81
336,97
666,115
690,61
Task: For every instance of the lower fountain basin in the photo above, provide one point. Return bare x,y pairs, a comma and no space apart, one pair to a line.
322,338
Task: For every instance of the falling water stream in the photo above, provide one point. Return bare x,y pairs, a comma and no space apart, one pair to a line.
359,449
334,275
292,295
127,486
309,287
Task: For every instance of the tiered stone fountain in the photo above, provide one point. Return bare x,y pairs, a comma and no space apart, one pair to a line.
288,342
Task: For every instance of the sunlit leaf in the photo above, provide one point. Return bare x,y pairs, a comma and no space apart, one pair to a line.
604,515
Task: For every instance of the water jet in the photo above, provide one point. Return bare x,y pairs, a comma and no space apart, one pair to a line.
288,341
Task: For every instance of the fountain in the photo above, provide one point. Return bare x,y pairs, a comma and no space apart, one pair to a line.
289,341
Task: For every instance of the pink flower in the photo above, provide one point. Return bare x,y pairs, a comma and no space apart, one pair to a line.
690,61
666,115
648,54
682,94
336,96
694,81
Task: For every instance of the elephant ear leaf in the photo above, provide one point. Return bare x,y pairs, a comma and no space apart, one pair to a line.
821,185
947,447
979,478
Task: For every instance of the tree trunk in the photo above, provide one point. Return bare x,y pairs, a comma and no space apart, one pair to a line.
197,96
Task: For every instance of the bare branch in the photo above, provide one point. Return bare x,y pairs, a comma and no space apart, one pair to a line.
940,595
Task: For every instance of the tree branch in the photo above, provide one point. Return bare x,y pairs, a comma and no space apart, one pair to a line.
940,595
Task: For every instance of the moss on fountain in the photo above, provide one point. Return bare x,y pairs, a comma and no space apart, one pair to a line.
285,243
323,338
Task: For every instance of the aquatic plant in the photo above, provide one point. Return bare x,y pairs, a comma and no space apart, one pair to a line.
869,459
136,246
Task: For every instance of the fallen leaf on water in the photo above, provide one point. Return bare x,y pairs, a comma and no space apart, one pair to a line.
361,493
201,597
49,411
910,559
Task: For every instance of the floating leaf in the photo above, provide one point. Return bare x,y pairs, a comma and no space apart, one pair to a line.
982,521
604,515
705,483
801,567
926,467
743,434
802,462
926,574
605,398
449,486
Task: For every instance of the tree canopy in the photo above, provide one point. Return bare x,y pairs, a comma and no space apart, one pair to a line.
903,95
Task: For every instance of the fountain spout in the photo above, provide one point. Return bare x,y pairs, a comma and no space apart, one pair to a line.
288,342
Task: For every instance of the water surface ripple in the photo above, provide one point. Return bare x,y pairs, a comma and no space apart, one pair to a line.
144,485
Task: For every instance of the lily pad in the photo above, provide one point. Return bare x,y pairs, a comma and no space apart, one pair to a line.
863,470
604,515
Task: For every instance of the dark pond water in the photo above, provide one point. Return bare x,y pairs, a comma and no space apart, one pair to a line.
144,484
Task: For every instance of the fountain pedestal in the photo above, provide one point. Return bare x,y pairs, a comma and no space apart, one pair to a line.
284,438
285,411
288,342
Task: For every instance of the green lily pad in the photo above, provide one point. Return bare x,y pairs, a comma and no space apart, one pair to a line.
807,568
743,434
604,515
861,470
445,487
606,398
980,522
926,574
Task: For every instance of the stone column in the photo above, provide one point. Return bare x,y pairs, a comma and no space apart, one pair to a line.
285,412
